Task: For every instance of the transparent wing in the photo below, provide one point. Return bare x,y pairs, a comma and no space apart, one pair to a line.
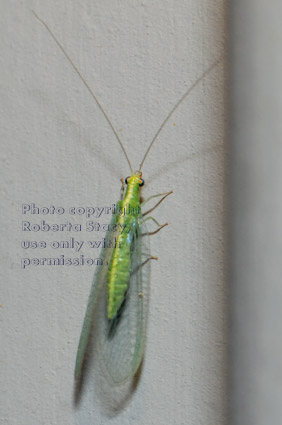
99,282
122,339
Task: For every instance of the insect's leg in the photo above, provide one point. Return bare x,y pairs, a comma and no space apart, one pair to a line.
157,223
149,257
122,188
154,220
164,195
155,196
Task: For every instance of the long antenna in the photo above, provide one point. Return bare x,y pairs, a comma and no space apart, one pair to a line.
86,85
204,74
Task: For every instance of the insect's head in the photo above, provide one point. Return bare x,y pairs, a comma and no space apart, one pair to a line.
135,178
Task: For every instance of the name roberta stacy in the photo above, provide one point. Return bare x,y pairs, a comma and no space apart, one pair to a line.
89,226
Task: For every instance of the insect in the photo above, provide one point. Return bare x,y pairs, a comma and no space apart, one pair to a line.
118,301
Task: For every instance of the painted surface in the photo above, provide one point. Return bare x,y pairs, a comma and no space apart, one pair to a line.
57,150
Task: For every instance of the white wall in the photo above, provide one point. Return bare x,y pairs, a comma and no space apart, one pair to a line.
57,149
257,212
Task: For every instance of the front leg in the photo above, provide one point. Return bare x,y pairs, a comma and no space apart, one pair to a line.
164,195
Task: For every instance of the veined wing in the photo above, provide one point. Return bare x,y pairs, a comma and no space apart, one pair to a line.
122,340
99,282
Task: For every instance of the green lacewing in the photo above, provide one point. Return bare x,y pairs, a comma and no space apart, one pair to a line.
119,296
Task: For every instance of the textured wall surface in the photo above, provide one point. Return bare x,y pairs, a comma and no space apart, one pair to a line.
57,150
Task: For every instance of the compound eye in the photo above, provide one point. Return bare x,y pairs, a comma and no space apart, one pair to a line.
127,180
141,182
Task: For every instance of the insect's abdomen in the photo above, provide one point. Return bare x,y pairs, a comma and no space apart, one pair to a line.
120,264
118,275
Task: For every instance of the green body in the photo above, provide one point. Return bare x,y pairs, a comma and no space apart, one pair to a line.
128,211
119,296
